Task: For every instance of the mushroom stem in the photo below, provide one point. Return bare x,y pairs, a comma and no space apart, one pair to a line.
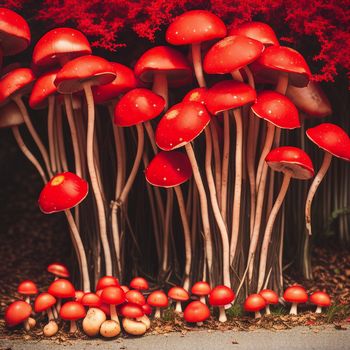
236,210
50,132
114,315
202,299
269,227
80,251
150,133
168,214
50,314
93,177
225,163
199,324
178,307
62,149
282,83
204,208
216,210
58,305
73,326
197,64
160,86
27,153
294,309
267,309
313,188
187,236
217,159
222,314
257,314
157,313
26,325
318,309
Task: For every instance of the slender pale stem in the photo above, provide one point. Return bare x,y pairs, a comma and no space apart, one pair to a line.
217,158
150,133
60,139
313,188
178,307
168,214
160,86
225,163
282,83
197,64
50,314
50,132
267,309
294,309
114,314
318,309
73,327
257,314
157,313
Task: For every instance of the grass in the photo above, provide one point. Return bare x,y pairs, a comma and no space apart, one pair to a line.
337,311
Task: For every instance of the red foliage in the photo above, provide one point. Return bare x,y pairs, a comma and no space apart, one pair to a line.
320,26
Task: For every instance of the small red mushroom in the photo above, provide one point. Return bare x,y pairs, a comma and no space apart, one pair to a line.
72,311
178,294
196,312
270,297
158,299
91,300
202,289
45,302
221,296
132,322
254,303
295,295
78,295
58,270
139,283
321,299
113,296
61,289
135,297
107,281
27,288
18,312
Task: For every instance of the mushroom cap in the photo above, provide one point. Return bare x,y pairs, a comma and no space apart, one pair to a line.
181,124
78,295
196,311
320,299
27,287
91,300
96,70
221,295
72,311
62,288
60,45
17,312
178,294
292,160
62,192
331,138
105,308
18,81
107,281
162,59
231,53
131,310
10,115
42,89
124,81
113,295
158,299
258,31
284,59
139,283
194,27
168,169
135,296
270,296
254,303
228,94
310,99
125,288
58,270
147,309
276,109
43,301
201,288
196,95
138,106
295,294
14,32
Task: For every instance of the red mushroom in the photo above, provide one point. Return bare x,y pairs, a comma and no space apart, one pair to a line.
107,281
27,288
221,296
18,312
295,295
91,300
139,283
58,270
254,303
197,312
270,298
78,295
61,289
178,294
132,321
320,299
113,296
202,289
72,311
45,302
158,299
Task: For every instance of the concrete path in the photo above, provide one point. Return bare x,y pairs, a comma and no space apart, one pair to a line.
317,338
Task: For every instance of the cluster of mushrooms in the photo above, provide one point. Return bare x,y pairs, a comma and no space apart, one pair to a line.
134,303
217,148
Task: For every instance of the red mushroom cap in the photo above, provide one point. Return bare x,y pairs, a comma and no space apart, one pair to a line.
291,159
62,192
196,312
72,311
59,46
78,295
194,27
105,308
254,303
221,295
107,281
19,81
58,270
270,296
139,283
276,109
42,89
168,169
178,294
43,301
62,288
201,288
181,124
256,30
228,94
158,299
17,312
162,59
196,95
125,288
295,294
331,138
91,300
285,59
113,295
131,310
232,53
14,32
135,296
27,288
124,81
147,309
138,106
10,115
320,299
